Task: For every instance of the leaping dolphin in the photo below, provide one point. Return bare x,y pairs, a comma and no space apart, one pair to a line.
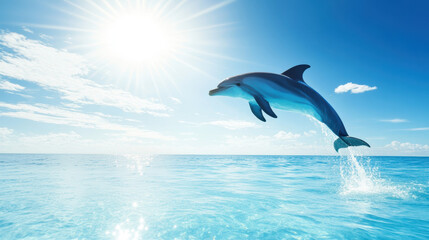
286,91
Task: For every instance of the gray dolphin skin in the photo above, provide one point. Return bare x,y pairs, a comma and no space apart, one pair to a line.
286,91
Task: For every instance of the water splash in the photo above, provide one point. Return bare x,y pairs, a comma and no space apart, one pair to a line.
360,177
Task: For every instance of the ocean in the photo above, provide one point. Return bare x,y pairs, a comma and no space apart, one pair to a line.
44,196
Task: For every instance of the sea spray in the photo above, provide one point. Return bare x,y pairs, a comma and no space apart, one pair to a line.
360,177
329,137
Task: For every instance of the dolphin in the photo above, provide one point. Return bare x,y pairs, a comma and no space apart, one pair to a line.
286,91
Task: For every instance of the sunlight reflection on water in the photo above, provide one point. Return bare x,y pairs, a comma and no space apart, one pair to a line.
128,230
134,162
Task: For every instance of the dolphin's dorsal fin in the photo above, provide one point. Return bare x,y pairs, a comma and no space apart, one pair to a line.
256,110
296,72
265,105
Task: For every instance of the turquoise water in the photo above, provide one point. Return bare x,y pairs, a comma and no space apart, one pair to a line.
213,197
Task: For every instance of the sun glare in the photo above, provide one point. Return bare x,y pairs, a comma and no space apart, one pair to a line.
137,39
135,42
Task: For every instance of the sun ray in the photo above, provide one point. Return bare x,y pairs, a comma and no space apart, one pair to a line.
118,2
194,50
63,28
205,28
196,58
194,68
107,14
207,10
83,46
141,44
140,5
163,7
107,4
170,79
176,8
99,18
152,78
81,17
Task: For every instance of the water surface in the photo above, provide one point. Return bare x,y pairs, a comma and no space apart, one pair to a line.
213,197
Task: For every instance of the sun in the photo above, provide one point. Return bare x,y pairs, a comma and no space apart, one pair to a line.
143,45
136,39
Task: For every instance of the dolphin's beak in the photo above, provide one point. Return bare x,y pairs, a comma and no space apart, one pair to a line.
215,91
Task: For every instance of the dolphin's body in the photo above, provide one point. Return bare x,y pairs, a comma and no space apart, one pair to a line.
286,91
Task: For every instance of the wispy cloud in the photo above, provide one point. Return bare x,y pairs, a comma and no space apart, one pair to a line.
51,138
62,71
282,135
5,132
228,124
6,85
354,88
27,29
231,124
407,147
60,142
55,115
158,114
278,138
394,120
280,143
310,133
45,37
419,129
176,100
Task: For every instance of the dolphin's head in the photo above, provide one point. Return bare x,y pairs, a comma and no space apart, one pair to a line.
232,87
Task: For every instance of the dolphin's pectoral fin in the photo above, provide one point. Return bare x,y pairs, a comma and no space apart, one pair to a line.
265,105
296,72
256,110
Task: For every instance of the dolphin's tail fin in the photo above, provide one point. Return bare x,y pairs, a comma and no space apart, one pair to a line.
347,141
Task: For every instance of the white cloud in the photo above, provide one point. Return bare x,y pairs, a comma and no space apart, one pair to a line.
27,29
354,88
55,115
228,124
310,133
72,105
232,124
394,120
158,114
45,37
50,138
261,144
282,135
5,85
277,139
407,147
5,132
64,72
63,142
247,141
419,129
176,100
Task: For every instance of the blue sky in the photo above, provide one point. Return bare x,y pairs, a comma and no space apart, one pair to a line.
103,77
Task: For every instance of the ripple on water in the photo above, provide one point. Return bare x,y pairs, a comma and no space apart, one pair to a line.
207,197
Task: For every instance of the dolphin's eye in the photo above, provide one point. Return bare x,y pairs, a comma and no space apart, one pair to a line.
238,84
